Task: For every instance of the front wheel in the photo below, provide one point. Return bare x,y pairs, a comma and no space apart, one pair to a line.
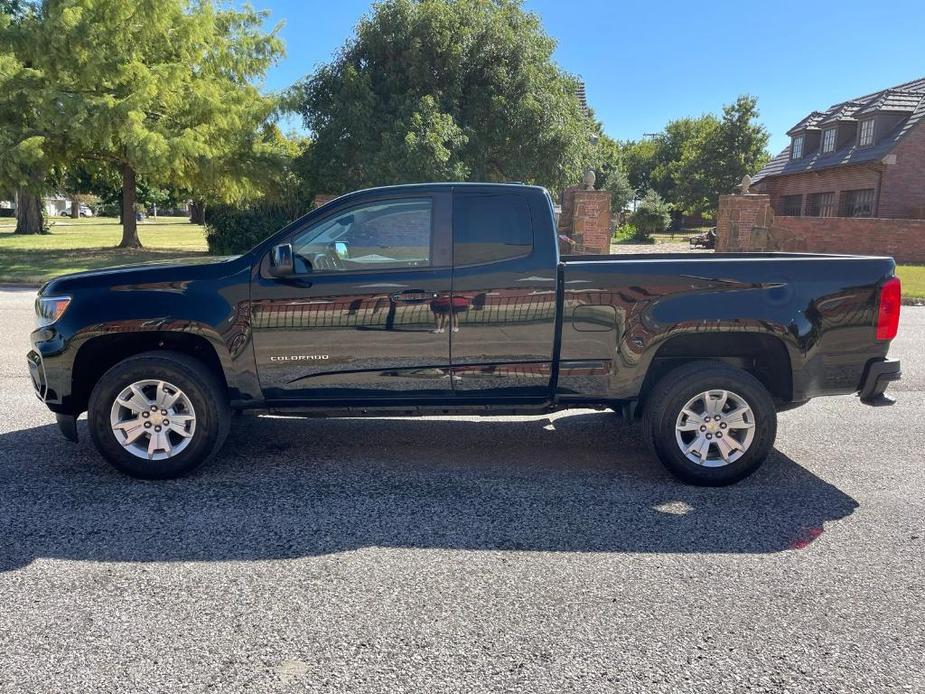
709,423
158,415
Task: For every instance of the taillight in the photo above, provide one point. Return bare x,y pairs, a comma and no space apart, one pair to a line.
888,310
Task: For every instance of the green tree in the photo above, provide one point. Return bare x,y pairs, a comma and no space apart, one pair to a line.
695,160
652,216
444,90
611,172
680,151
736,147
161,89
640,159
251,166
23,164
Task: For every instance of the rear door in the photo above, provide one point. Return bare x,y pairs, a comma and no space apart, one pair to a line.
356,324
504,294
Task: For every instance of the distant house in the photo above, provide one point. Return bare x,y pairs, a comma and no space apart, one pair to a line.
55,205
860,158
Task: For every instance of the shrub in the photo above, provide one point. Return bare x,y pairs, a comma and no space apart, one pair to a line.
651,217
630,233
233,229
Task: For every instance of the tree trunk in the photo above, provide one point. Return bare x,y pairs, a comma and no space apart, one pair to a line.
129,223
197,212
75,209
29,213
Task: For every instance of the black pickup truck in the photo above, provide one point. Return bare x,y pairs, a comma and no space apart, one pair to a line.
453,299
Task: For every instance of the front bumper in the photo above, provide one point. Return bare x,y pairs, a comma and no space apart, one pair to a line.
37,374
67,423
877,376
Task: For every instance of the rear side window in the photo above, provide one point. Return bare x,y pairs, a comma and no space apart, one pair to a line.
487,228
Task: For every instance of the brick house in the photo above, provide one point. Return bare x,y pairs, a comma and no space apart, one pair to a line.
860,158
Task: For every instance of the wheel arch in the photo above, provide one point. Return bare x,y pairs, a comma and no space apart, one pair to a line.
98,354
764,356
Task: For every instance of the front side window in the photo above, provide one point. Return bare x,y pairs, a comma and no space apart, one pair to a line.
796,149
821,205
828,141
388,234
859,203
866,136
488,228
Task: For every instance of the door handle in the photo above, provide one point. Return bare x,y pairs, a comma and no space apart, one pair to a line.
412,296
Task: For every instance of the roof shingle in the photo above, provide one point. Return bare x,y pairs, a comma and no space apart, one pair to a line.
908,97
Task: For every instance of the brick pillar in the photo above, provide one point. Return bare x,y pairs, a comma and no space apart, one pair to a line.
742,223
585,219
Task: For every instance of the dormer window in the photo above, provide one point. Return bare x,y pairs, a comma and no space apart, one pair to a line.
796,147
828,141
866,133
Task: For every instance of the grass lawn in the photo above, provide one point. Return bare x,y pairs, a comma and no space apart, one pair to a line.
913,280
87,244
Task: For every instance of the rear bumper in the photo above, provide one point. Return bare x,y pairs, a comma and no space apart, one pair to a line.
877,376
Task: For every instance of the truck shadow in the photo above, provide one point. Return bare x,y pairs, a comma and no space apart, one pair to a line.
285,488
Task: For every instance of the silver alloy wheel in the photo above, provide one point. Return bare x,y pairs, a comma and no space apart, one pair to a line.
153,419
715,428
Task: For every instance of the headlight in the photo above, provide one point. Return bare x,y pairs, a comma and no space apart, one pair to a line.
48,309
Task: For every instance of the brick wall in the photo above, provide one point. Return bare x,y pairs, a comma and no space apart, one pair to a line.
592,220
836,180
585,219
903,194
746,223
742,222
567,205
904,239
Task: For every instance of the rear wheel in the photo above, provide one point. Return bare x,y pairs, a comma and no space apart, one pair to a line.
709,423
158,415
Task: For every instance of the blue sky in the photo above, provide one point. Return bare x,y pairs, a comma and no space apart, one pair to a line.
645,63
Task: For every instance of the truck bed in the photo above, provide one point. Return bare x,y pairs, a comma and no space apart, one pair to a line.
815,312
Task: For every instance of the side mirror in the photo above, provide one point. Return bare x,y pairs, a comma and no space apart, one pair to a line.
281,262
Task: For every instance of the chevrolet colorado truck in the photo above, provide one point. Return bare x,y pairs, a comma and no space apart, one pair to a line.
453,299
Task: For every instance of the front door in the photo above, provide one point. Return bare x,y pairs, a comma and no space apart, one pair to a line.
357,322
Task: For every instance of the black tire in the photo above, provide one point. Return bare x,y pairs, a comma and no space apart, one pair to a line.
206,394
670,395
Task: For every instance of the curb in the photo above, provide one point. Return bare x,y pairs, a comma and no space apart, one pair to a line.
19,285
912,301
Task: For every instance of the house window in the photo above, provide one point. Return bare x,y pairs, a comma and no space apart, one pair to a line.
821,205
866,136
828,141
796,148
859,203
791,205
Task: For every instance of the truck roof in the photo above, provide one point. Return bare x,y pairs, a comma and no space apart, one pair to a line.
435,187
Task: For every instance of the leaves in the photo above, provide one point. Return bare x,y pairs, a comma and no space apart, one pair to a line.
166,86
433,90
652,216
695,160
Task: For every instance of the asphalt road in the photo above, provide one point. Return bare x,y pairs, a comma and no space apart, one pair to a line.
464,554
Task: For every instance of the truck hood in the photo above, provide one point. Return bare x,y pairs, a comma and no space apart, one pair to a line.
155,271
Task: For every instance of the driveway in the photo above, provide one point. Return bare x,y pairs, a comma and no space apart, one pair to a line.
546,554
